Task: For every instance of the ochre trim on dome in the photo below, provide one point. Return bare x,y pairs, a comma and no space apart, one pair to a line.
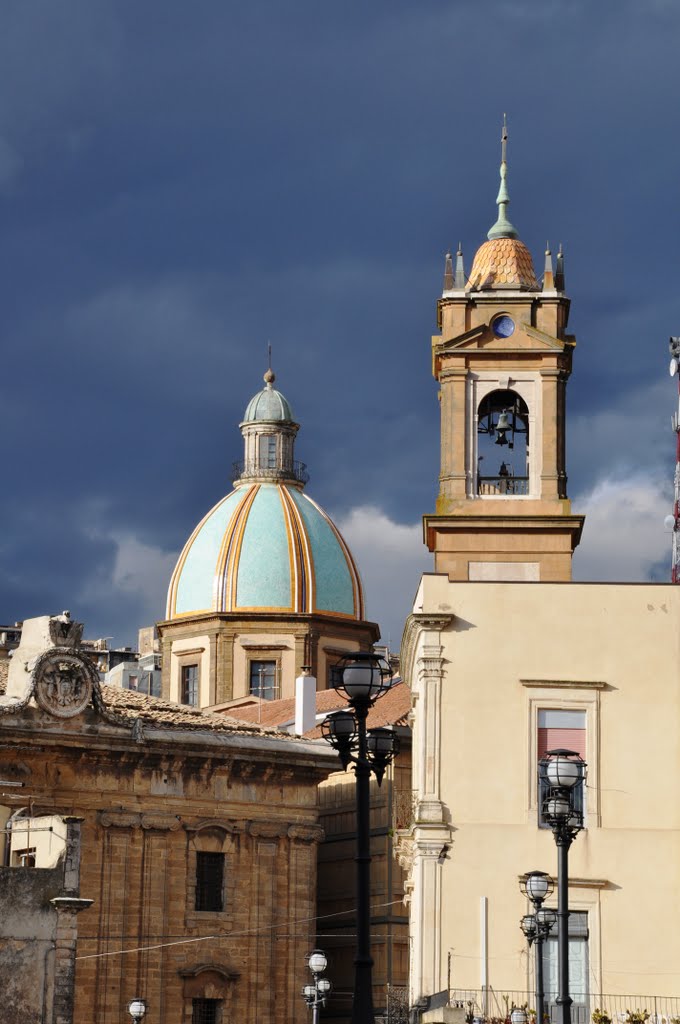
295,566
302,565
171,607
226,572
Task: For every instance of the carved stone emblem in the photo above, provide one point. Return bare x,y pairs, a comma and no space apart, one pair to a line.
63,683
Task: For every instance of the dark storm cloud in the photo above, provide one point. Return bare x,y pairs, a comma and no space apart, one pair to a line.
180,184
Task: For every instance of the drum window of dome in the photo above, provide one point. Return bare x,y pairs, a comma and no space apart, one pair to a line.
264,677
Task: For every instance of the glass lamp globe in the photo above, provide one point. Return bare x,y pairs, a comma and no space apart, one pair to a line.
309,992
381,741
339,727
557,808
546,918
563,771
317,961
362,679
518,1015
323,986
538,885
137,1009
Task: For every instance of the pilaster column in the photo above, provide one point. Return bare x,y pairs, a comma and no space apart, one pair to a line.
551,441
453,431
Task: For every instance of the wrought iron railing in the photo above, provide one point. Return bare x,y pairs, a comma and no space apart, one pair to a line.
491,1005
397,1005
502,485
294,471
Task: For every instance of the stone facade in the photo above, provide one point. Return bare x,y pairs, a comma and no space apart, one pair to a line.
161,790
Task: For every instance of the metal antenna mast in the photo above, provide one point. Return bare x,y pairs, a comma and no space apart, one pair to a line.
673,522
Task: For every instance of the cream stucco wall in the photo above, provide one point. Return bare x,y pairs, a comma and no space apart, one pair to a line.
193,650
482,659
46,835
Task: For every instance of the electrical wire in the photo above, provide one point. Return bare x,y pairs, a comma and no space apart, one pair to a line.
230,935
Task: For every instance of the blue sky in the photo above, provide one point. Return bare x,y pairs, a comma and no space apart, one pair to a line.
180,184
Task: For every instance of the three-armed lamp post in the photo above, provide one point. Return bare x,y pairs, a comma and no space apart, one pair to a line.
364,677
562,776
538,886
316,994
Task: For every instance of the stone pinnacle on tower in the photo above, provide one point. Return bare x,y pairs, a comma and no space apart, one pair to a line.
459,278
548,278
448,272
559,275
503,228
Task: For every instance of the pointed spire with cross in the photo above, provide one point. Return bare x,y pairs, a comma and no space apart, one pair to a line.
503,228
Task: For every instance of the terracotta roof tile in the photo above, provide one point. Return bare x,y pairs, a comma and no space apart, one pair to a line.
392,708
503,262
155,711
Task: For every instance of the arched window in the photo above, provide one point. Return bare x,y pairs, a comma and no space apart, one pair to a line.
502,445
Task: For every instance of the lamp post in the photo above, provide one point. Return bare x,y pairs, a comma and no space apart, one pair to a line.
315,995
137,1009
562,775
364,677
538,886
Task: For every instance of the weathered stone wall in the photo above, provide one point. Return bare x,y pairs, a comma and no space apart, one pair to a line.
149,803
28,933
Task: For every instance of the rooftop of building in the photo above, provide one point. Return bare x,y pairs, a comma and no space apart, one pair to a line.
156,712
391,709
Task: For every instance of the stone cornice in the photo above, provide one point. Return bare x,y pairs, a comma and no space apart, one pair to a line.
130,819
233,827
565,684
579,883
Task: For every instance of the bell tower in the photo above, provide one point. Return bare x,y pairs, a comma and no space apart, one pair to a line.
502,361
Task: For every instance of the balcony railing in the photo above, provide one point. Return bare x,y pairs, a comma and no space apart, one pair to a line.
490,1005
294,471
499,486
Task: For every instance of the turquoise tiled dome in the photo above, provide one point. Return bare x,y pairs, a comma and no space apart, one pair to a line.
266,547
268,405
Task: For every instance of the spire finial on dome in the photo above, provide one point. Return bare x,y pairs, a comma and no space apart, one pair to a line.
503,228
269,376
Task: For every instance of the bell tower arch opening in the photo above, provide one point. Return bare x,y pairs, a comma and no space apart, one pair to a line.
503,449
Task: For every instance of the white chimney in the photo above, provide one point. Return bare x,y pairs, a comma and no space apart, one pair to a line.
305,702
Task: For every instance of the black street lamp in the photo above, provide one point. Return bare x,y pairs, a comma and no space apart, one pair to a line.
137,1009
538,886
364,677
315,995
561,778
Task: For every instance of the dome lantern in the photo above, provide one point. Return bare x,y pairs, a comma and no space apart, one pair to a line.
269,431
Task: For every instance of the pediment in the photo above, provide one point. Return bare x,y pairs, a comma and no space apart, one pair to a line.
482,338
